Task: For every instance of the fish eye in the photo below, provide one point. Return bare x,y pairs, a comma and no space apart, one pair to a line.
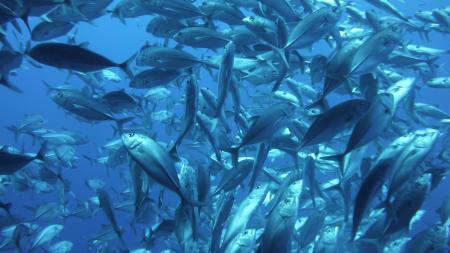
252,18
60,93
258,187
130,134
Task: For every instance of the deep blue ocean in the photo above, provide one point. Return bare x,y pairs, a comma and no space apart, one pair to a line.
118,41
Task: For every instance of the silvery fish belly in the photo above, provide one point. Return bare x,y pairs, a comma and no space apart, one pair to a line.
225,126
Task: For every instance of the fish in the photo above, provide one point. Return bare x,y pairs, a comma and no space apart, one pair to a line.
106,206
45,235
314,27
154,77
411,157
219,223
243,214
201,37
191,108
375,50
30,123
367,192
50,30
263,128
281,221
87,108
334,121
74,57
153,159
61,247
166,58
432,239
407,204
225,75
11,162
380,111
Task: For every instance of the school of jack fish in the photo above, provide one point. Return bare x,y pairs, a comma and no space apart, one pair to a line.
286,150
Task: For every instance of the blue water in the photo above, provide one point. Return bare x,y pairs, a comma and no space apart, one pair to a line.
109,37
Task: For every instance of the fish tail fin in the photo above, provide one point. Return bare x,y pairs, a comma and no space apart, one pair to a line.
354,230
431,65
49,87
7,208
173,152
73,5
234,152
15,130
280,79
89,159
283,54
26,50
321,102
116,13
121,122
339,158
391,216
209,21
25,18
119,233
5,82
19,248
41,153
125,66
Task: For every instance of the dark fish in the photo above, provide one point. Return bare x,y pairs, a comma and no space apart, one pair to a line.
190,112
369,189
370,126
334,121
11,162
120,100
4,80
263,127
154,77
106,206
73,57
219,223
225,76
